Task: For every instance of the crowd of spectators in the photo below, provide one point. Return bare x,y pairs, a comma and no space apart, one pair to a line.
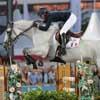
39,76
47,75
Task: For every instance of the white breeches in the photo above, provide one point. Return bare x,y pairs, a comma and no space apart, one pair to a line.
69,23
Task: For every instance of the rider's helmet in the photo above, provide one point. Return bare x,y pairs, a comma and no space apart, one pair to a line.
42,11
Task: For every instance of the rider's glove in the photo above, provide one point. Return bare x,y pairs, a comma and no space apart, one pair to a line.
35,25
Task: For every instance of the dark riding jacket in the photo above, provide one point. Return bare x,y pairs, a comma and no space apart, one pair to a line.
54,17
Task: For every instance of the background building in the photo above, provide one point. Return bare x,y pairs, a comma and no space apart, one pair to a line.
34,5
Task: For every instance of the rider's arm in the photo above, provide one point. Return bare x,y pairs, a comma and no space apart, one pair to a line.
45,26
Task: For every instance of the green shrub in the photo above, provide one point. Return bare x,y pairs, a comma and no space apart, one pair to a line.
48,95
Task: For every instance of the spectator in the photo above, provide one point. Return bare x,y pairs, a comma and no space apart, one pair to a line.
51,75
25,76
39,77
33,77
45,71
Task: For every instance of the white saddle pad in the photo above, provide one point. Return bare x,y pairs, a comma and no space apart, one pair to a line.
74,42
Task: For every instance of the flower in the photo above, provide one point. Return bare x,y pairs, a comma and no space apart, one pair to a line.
14,68
18,84
90,81
19,92
12,89
78,61
85,67
11,96
12,76
84,88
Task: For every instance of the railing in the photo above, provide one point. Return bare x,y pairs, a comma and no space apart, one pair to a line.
65,80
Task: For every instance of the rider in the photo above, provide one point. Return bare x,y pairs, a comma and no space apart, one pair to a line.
68,18
48,18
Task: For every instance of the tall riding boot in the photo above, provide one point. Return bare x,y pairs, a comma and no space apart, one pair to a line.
63,44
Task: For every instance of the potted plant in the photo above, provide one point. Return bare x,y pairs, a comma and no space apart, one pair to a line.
86,83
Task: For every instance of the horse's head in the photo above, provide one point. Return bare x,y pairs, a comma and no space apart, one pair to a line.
18,28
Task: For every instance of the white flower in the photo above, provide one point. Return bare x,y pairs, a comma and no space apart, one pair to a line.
11,96
18,84
11,89
14,68
78,61
85,67
90,81
84,88
11,76
19,92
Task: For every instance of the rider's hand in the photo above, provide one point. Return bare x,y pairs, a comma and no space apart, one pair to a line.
35,24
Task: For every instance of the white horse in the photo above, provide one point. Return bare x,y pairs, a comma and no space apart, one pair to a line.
42,40
44,43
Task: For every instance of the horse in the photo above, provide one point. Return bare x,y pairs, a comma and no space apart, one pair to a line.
44,42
